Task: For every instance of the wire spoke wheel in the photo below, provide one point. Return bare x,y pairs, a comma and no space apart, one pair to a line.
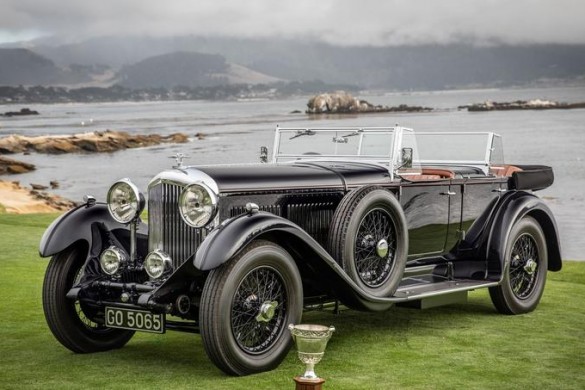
524,271
259,310
368,237
524,266
375,247
246,305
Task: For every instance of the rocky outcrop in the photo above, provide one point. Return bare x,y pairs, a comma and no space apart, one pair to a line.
535,104
96,142
10,166
22,112
344,103
15,198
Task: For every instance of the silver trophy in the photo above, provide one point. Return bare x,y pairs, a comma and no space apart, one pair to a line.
311,341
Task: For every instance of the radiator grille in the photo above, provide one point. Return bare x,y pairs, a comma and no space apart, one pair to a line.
167,231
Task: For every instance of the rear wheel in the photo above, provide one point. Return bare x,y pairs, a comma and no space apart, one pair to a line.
75,325
246,306
369,239
525,272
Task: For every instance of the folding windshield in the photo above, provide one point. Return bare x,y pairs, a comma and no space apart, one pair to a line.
398,148
476,149
374,144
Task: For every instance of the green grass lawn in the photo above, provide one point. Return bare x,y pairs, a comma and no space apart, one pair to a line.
456,347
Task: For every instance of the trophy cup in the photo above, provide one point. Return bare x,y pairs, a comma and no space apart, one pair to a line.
311,341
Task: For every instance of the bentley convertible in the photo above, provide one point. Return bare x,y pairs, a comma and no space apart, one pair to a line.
362,217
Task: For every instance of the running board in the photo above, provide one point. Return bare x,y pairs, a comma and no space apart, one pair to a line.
426,291
453,298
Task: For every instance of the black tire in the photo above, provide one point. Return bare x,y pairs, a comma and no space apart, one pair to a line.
525,270
234,336
365,219
79,329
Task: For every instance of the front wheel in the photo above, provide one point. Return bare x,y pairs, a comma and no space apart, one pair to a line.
525,271
246,306
77,326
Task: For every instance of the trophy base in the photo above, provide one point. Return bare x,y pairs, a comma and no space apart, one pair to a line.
308,384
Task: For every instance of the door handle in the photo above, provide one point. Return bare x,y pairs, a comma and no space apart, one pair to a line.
450,193
499,190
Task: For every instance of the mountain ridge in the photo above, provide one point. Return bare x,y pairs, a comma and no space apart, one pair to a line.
420,67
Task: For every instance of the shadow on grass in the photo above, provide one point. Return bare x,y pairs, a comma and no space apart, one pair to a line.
186,351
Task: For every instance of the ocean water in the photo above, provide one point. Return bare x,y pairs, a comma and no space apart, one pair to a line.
234,132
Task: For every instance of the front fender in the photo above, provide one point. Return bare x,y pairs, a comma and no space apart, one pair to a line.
517,205
75,225
233,235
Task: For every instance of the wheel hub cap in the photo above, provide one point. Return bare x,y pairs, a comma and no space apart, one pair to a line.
382,248
530,266
267,311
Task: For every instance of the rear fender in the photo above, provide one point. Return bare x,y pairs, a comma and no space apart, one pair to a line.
76,225
515,206
234,234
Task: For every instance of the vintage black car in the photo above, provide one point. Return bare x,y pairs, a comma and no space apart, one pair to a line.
363,217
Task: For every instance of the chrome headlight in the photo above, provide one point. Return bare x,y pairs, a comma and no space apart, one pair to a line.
111,259
125,202
198,205
157,263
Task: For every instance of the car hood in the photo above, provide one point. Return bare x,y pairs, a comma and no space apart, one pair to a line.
299,175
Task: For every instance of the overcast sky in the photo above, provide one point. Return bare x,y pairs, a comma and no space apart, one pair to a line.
344,22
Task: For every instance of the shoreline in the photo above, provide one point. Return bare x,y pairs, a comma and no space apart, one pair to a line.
16,199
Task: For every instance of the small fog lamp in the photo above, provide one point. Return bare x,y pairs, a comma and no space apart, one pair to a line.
111,259
157,263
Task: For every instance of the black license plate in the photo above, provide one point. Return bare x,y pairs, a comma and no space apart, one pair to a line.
141,320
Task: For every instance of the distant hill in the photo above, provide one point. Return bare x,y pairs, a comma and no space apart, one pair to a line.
22,66
391,67
187,69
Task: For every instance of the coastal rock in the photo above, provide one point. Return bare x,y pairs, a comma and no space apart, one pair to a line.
10,166
339,101
534,104
94,142
23,112
344,103
52,145
17,199
178,138
12,144
38,187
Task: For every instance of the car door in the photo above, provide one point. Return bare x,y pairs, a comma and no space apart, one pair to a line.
426,207
478,196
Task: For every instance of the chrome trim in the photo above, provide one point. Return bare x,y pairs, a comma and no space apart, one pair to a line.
137,194
184,177
166,260
120,258
167,230
214,204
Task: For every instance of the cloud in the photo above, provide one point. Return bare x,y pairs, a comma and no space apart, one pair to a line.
342,22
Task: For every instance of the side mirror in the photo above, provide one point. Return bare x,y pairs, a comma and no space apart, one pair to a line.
406,158
263,154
